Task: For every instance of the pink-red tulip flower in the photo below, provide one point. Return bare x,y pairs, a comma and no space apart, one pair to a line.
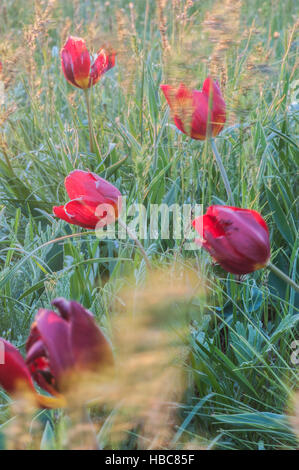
238,239
192,110
77,66
94,201
65,345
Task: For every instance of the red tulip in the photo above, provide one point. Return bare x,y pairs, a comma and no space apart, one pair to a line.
238,239
66,344
14,374
191,108
77,66
94,202
15,378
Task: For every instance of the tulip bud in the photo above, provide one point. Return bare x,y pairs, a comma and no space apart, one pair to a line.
238,239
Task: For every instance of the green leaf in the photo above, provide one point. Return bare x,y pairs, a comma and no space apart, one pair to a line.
280,219
48,438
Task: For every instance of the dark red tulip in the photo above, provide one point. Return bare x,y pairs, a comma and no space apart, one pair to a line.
94,201
15,378
238,239
65,344
77,66
14,373
191,108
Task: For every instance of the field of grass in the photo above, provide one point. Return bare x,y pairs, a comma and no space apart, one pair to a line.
229,337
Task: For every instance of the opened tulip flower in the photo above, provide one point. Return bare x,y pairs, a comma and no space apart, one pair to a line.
79,70
77,66
15,378
63,346
60,349
94,201
200,115
193,109
238,239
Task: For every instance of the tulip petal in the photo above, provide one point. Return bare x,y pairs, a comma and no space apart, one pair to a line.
211,86
98,67
200,116
36,350
48,350
87,213
89,346
14,373
212,210
15,377
76,63
67,67
258,218
55,334
63,306
218,113
225,254
208,223
81,183
59,211
104,62
42,374
180,101
85,183
243,232
58,401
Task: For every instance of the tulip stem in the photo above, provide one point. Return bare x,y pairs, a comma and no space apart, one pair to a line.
223,173
283,276
138,244
90,128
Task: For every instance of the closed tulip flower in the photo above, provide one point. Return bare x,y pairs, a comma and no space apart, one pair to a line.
238,239
15,378
77,66
94,201
63,346
192,109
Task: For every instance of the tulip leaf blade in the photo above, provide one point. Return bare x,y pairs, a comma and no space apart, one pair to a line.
48,438
280,218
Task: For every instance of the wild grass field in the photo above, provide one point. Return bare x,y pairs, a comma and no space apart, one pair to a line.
205,359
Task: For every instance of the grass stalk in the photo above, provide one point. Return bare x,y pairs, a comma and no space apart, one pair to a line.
283,276
223,173
90,125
